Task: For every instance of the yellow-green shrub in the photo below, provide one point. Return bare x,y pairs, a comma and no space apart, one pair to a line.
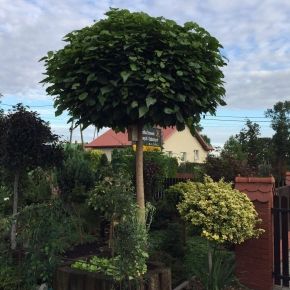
222,213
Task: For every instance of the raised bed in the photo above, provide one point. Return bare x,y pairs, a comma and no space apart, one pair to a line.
66,278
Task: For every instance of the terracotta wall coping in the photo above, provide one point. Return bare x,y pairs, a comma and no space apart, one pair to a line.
240,179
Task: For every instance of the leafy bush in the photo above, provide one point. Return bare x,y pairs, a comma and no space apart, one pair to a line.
196,169
46,230
130,250
157,166
224,214
76,175
5,201
226,167
168,240
124,160
37,186
196,256
113,198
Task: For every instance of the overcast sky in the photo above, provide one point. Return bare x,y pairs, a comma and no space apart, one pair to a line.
255,35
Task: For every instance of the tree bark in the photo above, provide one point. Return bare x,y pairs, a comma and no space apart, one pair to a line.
71,131
82,137
209,253
139,174
14,215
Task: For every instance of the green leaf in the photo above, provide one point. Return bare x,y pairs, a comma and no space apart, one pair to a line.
158,52
151,79
58,112
168,111
125,75
142,111
83,96
179,117
222,103
179,73
181,97
134,104
91,77
92,102
43,58
76,85
50,54
162,64
133,67
106,89
101,99
150,101
201,79
194,64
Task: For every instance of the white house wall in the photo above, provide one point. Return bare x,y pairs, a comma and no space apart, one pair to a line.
183,141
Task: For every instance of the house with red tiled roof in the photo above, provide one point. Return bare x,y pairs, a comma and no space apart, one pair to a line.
179,144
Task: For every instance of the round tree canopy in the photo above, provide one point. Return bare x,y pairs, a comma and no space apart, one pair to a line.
133,68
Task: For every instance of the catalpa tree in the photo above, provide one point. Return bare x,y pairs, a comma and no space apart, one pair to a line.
134,70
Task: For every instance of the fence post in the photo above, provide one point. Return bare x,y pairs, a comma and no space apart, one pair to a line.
254,258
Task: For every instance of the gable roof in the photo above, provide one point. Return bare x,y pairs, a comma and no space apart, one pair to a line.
111,139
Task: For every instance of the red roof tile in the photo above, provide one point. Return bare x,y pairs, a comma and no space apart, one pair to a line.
112,139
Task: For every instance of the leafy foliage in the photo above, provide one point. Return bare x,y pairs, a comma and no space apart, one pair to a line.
223,214
132,68
250,143
76,176
157,167
26,141
233,148
37,186
280,115
225,166
51,231
46,230
113,198
196,264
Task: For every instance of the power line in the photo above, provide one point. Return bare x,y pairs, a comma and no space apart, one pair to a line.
245,117
241,121
33,106
205,119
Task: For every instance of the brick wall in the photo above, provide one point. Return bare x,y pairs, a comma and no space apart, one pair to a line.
287,179
254,258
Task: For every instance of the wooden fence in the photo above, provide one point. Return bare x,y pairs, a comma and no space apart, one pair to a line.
67,278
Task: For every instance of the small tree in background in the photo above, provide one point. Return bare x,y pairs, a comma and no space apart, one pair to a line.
26,143
221,213
134,70
280,115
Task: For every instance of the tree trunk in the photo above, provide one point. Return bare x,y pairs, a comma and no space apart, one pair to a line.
15,206
209,258
139,174
71,131
82,137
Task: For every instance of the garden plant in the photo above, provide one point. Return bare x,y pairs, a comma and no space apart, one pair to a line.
132,70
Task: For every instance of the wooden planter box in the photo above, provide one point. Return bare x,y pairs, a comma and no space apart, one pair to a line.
67,278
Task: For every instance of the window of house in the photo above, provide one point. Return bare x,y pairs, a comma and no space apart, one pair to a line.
183,156
195,155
